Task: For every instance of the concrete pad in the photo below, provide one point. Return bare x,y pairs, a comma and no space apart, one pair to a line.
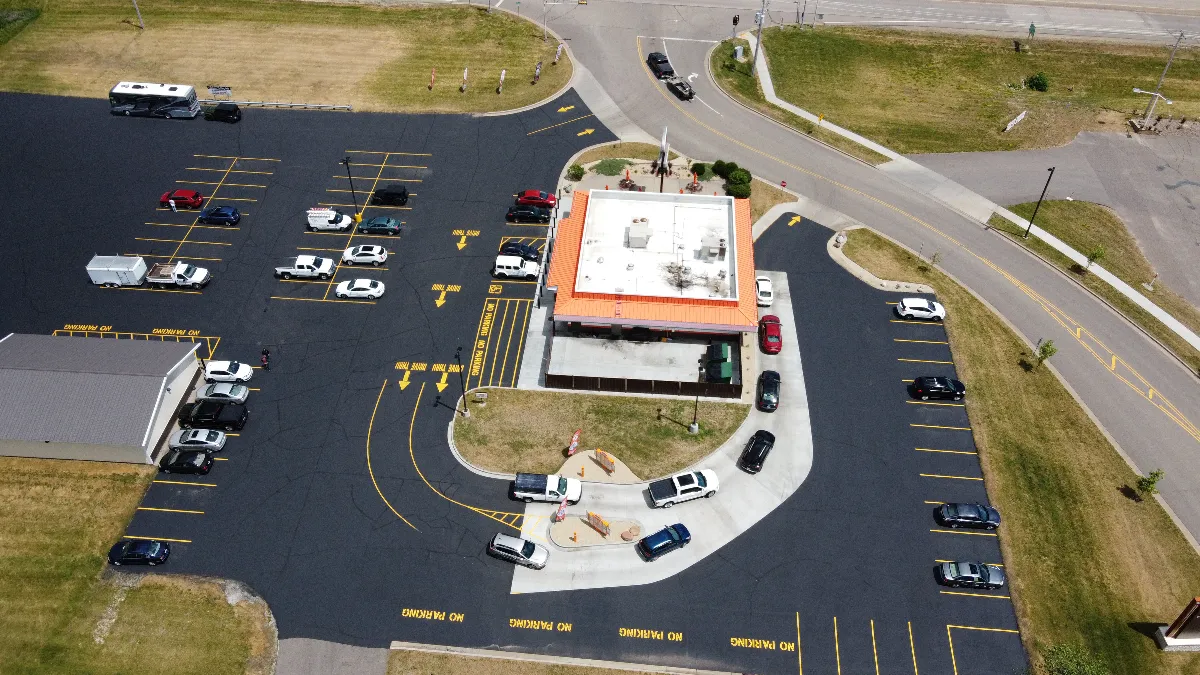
592,472
302,656
574,532
598,357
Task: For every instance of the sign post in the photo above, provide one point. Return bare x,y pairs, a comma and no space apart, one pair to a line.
501,87
432,78
463,88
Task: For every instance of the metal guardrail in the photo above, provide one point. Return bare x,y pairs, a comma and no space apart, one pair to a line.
269,104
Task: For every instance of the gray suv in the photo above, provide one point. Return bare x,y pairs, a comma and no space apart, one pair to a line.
519,551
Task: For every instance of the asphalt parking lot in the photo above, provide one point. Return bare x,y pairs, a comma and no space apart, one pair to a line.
339,502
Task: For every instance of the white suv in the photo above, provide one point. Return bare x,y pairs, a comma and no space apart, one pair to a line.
513,267
920,308
227,371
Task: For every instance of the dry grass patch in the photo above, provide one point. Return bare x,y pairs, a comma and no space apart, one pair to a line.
1058,483
500,436
622,150
373,58
60,518
1083,226
764,196
405,662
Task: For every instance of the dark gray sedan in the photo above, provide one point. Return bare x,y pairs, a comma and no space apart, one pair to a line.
380,225
969,575
967,515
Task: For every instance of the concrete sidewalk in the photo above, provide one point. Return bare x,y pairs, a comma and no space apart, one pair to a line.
743,499
963,200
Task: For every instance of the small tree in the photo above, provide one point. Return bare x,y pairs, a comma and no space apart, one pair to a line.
1096,253
575,172
739,176
738,190
935,258
1045,350
1148,485
1038,82
718,168
698,168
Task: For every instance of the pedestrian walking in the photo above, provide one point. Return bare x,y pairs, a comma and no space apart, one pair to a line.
266,359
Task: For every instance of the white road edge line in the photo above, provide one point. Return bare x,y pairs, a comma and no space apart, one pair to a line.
709,106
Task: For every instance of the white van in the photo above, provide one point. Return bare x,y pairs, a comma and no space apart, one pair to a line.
512,267
328,219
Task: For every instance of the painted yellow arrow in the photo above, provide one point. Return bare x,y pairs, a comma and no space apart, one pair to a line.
585,132
462,242
404,381
794,220
441,300
442,384
566,108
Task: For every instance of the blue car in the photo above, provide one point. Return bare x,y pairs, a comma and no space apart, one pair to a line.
220,215
664,541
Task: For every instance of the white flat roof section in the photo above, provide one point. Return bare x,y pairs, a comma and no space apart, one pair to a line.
658,245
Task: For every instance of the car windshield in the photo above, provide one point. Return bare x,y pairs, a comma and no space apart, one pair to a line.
527,550
189,270
701,480
198,459
213,436
234,366
773,338
562,486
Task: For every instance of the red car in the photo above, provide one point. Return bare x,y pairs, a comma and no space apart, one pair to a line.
537,198
770,334
184,199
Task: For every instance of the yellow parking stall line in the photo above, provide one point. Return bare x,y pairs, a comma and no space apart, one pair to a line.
498,281
237,199
220,459
552,126
384,152
906,380
528,224
234,435
190,257
198,227
152,290
973,534
799,651
837,650
360,268
201,168
923,342
367,206
913,647
948,452
933,502
248,159
891,303
952,405
975,595
302,281
151,508
950,639
329,234
991,630
946,561
949,363
352,302
327,250
185,241
874,649
182,482
174,541
390,180
939,426
254,388
919,323
200,182
938,475
393,166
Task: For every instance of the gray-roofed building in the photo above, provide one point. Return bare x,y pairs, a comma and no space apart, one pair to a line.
88,398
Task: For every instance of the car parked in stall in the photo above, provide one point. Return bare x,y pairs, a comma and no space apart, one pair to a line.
210,440
227,371
184,199
139,552
920,308
955,515
367,289
225,392
970,575
220,215
197,462
949,388
213,415
537,198
365,254
380,225
523,213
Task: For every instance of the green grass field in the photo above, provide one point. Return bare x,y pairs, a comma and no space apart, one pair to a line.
370,57
934,92
1087,565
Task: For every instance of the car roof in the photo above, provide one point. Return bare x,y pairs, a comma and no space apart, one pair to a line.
509,260
770,375
510,541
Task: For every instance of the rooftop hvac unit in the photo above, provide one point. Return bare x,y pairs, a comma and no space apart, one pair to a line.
639,234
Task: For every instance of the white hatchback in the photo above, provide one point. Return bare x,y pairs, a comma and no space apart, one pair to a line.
227,371
920,308
764,291
366,254
360,288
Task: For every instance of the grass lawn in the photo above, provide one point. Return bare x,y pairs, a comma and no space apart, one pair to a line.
735,79
371,57
938,92
1086,564
763,196
1083,226
622,150
59,520
499,437
404,662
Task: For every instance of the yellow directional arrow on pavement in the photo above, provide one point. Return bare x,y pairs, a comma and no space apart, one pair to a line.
585,132
462,242
565,108
404,381
442,384
441,299
794,220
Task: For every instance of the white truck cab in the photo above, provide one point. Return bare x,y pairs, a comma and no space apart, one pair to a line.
328,219
538,487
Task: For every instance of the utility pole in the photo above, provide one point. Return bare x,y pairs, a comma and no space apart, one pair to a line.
142,24
346,163
1154,98
543,20
762,18
1039,204
800,18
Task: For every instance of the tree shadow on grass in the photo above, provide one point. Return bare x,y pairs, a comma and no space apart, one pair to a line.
1130,493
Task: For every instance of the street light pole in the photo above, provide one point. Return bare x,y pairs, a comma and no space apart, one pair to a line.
1155,97
543,20
461,382
1039,204
346,162
762,18
694,427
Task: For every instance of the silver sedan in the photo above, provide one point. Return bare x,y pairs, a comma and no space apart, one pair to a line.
225,392
197,439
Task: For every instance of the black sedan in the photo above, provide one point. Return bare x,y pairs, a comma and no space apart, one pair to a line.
660,65
139,552
521,250
926,388
681,88
967,515
220,215
969,575
390,195
756,451
523,213
213,415
187,461
380,225
767,399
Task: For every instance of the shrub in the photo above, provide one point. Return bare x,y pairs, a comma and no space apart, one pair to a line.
1072,660
739,177
1148,485
739,190
610,167
699,168
575,172
718,167
1038,82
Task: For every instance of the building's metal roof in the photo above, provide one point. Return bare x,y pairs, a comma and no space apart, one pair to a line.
82,390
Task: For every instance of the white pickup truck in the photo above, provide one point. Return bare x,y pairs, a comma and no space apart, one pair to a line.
116,270
306,266
684,487
538,487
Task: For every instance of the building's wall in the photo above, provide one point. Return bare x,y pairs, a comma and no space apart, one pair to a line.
92,453
179,388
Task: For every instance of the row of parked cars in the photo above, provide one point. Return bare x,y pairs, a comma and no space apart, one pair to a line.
518,260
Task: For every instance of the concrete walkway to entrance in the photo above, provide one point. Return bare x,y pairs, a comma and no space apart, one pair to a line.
743,499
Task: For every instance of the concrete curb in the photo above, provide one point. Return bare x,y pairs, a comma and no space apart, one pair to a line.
542,658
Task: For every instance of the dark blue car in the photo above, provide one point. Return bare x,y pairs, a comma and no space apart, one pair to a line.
664,541
220,215
139,552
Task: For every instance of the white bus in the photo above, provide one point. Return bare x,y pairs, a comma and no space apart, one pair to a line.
141,99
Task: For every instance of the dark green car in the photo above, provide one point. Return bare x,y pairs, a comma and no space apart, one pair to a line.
379,225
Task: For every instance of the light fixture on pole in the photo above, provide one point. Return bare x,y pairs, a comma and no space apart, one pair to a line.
1039,203
1154,96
